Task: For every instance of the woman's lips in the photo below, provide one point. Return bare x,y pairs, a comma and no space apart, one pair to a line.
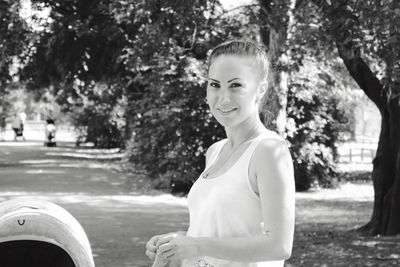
226,110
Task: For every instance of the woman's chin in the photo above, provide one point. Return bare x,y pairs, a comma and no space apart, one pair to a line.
226,123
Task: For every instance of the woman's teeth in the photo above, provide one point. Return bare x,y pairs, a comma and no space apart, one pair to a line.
226,110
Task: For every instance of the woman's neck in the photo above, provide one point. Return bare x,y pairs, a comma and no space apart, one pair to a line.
244,131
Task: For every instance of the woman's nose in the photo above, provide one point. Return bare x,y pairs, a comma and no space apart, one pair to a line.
224,94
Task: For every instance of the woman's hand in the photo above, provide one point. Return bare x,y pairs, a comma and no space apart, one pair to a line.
177,247
159,261
151,246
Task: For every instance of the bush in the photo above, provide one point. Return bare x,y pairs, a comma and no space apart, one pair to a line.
170,122
315,120
97,128
98,117
173,127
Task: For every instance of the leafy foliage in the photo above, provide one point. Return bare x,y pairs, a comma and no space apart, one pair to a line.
318,90
368,29
171,122
316,117
76,53
132,72
13,38
100,117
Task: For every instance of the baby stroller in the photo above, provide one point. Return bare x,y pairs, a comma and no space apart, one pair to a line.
19,132
41,234
18,127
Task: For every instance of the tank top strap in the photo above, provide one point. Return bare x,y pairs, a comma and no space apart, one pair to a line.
248,153
214,154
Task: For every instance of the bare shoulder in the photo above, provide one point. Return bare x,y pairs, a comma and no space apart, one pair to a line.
271,145
272,156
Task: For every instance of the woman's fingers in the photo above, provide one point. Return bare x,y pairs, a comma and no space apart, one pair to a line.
166,251
160,245
165,239
167,254
151,255
151,244
153,240
159,261
151,248
164,248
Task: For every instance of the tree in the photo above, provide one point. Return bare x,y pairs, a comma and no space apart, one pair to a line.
75,56
13,38
283,27
316,118
367,39
171,123
365,36
276,20
143,58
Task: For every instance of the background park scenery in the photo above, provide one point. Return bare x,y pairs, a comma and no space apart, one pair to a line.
124,82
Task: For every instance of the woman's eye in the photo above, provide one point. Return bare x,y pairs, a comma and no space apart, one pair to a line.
213,84
236,85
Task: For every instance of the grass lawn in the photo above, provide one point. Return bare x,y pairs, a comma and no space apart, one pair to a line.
323,236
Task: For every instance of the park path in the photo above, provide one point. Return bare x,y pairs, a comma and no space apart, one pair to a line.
118,221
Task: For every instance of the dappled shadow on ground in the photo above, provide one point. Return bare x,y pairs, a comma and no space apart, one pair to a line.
324,245
325,230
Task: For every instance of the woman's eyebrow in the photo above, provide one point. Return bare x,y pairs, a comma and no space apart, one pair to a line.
233,79
213,80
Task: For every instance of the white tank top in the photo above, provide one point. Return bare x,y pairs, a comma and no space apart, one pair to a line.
226,206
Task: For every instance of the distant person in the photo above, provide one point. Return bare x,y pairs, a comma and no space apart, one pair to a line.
18,127
3,124
22,116
50,133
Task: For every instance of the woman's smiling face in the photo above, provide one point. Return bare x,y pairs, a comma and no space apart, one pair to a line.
233,86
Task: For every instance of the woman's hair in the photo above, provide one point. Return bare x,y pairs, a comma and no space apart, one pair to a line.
242,48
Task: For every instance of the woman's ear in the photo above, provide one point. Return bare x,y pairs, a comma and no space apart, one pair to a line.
262,90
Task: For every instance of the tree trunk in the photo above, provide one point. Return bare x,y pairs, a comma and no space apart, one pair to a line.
275,100
385,218
276,17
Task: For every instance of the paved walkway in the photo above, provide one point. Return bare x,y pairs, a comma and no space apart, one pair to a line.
117,220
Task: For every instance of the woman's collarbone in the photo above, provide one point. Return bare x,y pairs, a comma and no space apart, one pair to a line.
225,163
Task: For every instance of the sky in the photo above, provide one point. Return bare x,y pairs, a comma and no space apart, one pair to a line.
27,12
234,3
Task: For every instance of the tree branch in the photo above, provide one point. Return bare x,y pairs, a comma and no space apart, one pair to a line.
233,9
351,56
361,73
298,4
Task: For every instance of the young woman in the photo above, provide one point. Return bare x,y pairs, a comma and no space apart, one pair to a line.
242,205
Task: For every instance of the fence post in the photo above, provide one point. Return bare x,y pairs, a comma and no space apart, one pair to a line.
350,155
